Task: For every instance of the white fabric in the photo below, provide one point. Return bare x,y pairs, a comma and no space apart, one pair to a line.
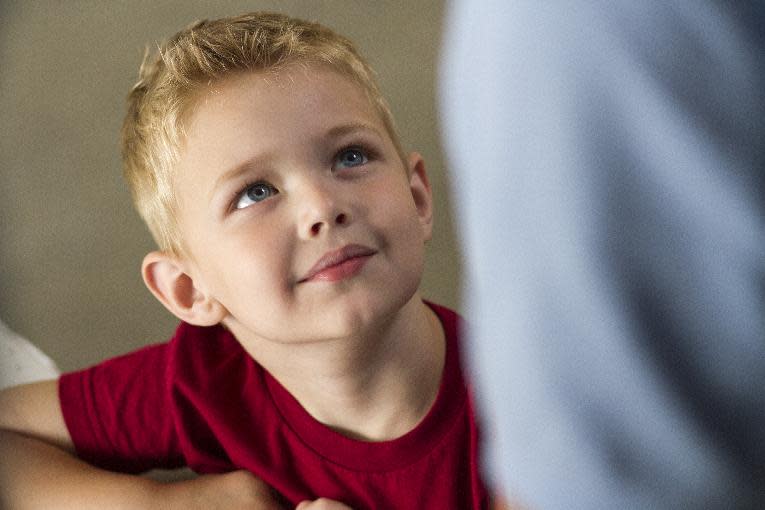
21,362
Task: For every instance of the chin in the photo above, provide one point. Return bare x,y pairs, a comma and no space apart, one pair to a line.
370,313
352,320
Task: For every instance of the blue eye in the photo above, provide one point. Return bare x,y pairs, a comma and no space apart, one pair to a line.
350,158
255,193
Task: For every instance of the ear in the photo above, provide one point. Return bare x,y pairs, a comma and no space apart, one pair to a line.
167,278
421,193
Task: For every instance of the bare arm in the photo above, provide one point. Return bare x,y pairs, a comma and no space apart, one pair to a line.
38,468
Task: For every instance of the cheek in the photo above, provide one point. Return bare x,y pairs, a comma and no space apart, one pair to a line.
259,256
407,218
402,227
247,262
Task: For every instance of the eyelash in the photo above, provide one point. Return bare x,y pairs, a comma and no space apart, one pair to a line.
239,193
368,152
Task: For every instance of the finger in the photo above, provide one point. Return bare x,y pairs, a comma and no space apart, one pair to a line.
322,504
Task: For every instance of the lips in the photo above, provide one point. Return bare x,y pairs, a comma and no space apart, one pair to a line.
339,264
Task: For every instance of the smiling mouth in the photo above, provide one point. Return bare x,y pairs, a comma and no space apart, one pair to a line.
339,264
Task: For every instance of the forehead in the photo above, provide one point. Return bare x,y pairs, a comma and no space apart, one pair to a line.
295,98
251,110
268,113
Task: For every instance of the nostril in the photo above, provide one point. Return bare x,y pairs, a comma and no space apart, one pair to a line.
316,227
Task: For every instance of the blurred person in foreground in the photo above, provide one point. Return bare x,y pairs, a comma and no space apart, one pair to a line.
608,165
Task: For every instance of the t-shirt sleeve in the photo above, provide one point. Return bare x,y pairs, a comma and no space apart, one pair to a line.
119,412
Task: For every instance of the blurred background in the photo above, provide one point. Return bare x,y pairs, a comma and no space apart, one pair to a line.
71,243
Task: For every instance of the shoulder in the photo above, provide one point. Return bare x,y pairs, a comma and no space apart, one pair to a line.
198,340
209,361
196,350
191,352
453,327
451,321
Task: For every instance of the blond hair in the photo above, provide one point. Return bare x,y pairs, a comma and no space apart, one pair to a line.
205,52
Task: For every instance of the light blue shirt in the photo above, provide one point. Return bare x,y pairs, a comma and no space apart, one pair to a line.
608,165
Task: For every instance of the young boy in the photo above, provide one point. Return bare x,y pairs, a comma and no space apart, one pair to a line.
291,228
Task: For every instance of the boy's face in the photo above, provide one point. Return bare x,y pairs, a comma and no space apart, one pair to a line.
296,211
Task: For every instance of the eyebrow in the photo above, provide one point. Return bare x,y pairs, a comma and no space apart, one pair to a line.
263,159
344,129
237,170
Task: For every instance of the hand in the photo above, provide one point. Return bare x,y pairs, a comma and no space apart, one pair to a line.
230,491
499,502
322,504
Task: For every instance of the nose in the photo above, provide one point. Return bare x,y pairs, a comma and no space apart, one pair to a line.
321,210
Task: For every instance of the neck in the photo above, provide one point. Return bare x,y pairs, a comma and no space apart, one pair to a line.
376,386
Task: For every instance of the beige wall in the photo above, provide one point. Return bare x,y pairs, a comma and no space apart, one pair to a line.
70,243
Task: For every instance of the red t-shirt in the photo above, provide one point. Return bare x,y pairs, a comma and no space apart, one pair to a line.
201,401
